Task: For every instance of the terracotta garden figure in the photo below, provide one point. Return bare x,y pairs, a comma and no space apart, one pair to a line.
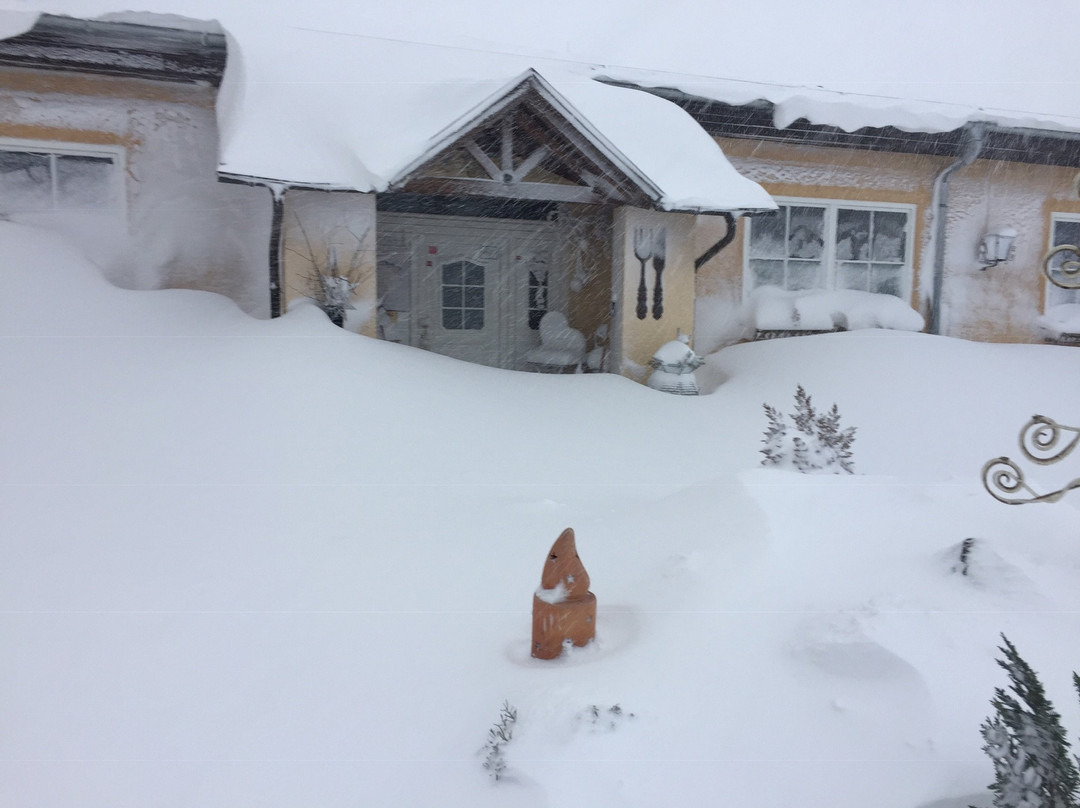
563,607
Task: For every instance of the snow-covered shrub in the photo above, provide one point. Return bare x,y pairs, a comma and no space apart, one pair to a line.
1026,742
818,442
330,284
499,735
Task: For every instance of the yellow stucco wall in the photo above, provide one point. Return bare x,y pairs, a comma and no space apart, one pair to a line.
122,112
1000,304
316,221
636,340
583,253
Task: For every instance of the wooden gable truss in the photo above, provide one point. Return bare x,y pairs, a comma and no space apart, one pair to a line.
528,144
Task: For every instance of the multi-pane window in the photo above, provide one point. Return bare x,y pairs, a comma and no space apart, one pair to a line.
463,296
34,180
830,245
787,248
1063,231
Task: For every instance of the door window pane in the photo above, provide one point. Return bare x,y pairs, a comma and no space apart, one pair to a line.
463,296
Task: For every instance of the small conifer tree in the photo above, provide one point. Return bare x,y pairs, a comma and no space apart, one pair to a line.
1027,743
804,416
800,456
1076,684
775,437
820,444
839,440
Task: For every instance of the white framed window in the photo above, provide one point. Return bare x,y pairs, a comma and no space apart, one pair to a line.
463,296
809,244
49,177
1064,229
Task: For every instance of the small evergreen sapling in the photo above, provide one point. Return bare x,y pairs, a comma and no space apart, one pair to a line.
775,437
819,445
1027,743
1076,684
499,735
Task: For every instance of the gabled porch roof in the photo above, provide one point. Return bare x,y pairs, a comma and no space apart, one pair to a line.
705,181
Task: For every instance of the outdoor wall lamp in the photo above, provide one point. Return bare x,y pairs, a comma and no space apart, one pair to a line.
997,248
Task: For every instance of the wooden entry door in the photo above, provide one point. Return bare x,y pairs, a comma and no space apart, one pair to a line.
478,286
456,294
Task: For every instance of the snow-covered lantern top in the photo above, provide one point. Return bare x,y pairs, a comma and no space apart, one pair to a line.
673,368
997,248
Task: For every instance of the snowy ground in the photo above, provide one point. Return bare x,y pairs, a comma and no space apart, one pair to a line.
276,564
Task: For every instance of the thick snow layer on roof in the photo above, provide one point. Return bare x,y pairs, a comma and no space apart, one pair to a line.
338,110
922,64
846,110
327,108
667,145
316,75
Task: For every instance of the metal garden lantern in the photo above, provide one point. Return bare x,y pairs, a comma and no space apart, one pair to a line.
673,368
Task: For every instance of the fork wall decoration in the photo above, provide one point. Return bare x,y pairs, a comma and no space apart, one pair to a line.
650,244
1044,442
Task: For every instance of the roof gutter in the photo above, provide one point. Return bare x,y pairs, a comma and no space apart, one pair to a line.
972,143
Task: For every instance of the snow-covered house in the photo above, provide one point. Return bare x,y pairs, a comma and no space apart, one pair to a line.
899,200
459,200
458,195
108,133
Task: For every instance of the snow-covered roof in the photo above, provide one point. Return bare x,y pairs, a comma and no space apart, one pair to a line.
329,109
371,109
846,110
346,94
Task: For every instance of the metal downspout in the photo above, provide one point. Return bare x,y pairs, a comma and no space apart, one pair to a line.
974,137
277,217
728,237
276,220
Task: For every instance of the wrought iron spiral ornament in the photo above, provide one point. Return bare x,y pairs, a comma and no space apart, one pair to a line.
1043,441
1067,274
1004,480
1040,439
